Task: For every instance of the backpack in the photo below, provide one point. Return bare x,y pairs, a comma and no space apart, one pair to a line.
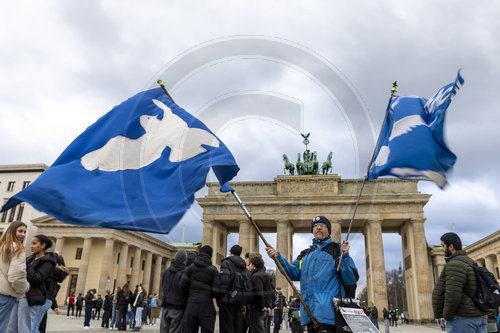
241,288
488,291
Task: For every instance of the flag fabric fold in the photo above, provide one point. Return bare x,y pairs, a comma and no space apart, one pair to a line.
137,168
411,144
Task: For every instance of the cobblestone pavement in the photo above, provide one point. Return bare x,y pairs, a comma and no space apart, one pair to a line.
61,323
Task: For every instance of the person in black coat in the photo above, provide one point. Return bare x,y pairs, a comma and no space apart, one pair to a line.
79,305
230,316
174,297
39,267
258,305
53,286
199,281
107,307
124,299
89,304
97,306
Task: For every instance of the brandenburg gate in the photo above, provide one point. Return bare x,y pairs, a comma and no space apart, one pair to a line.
287,205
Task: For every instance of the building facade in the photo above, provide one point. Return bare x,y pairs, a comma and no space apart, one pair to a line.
13,179
97,258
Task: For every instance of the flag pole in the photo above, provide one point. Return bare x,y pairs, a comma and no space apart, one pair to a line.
160,82
314,321
393,92
247,213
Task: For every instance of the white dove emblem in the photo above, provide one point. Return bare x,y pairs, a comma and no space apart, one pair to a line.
400,127
122,153
405,125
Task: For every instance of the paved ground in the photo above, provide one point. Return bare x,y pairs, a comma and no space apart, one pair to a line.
61,323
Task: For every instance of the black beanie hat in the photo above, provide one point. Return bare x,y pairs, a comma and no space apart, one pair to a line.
236,250
322,219
207,249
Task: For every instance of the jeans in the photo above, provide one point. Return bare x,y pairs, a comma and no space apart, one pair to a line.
131,317
22,316
42,310
386,325
113,317
88,315
469,325
6,306
138,316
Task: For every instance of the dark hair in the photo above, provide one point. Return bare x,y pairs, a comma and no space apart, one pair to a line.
256,260
452,238
247,255
60,260
44,240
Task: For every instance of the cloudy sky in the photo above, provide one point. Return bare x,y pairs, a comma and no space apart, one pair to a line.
63,64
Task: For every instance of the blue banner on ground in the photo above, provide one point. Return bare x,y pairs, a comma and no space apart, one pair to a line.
136,168
411,143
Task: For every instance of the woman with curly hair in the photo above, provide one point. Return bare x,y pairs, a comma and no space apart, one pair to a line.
13,283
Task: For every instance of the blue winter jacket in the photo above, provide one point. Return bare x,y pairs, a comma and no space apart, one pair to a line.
319,281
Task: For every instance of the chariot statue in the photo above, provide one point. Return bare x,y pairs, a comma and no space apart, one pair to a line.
308,164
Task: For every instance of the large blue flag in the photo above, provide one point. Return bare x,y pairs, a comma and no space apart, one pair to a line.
411,143
136,168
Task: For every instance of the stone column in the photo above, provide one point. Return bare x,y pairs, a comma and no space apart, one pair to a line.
208,232
84,266
157,275
147,271
254,240
282,248
290,243
215,244
488,262
244,236
121,275
336,234
377,286
106,266
59,245
136,268
424,284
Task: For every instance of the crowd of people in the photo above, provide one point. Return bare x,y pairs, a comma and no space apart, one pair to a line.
245,295
243,290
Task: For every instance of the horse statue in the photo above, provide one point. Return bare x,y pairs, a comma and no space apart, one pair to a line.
299,165
288,165
315,163
327,165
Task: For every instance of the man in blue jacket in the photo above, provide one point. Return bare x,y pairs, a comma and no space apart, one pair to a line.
315,268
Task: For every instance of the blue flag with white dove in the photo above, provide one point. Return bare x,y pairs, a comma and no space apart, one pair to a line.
412,143
136,168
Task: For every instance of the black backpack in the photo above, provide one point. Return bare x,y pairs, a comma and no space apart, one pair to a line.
241,288
488,291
